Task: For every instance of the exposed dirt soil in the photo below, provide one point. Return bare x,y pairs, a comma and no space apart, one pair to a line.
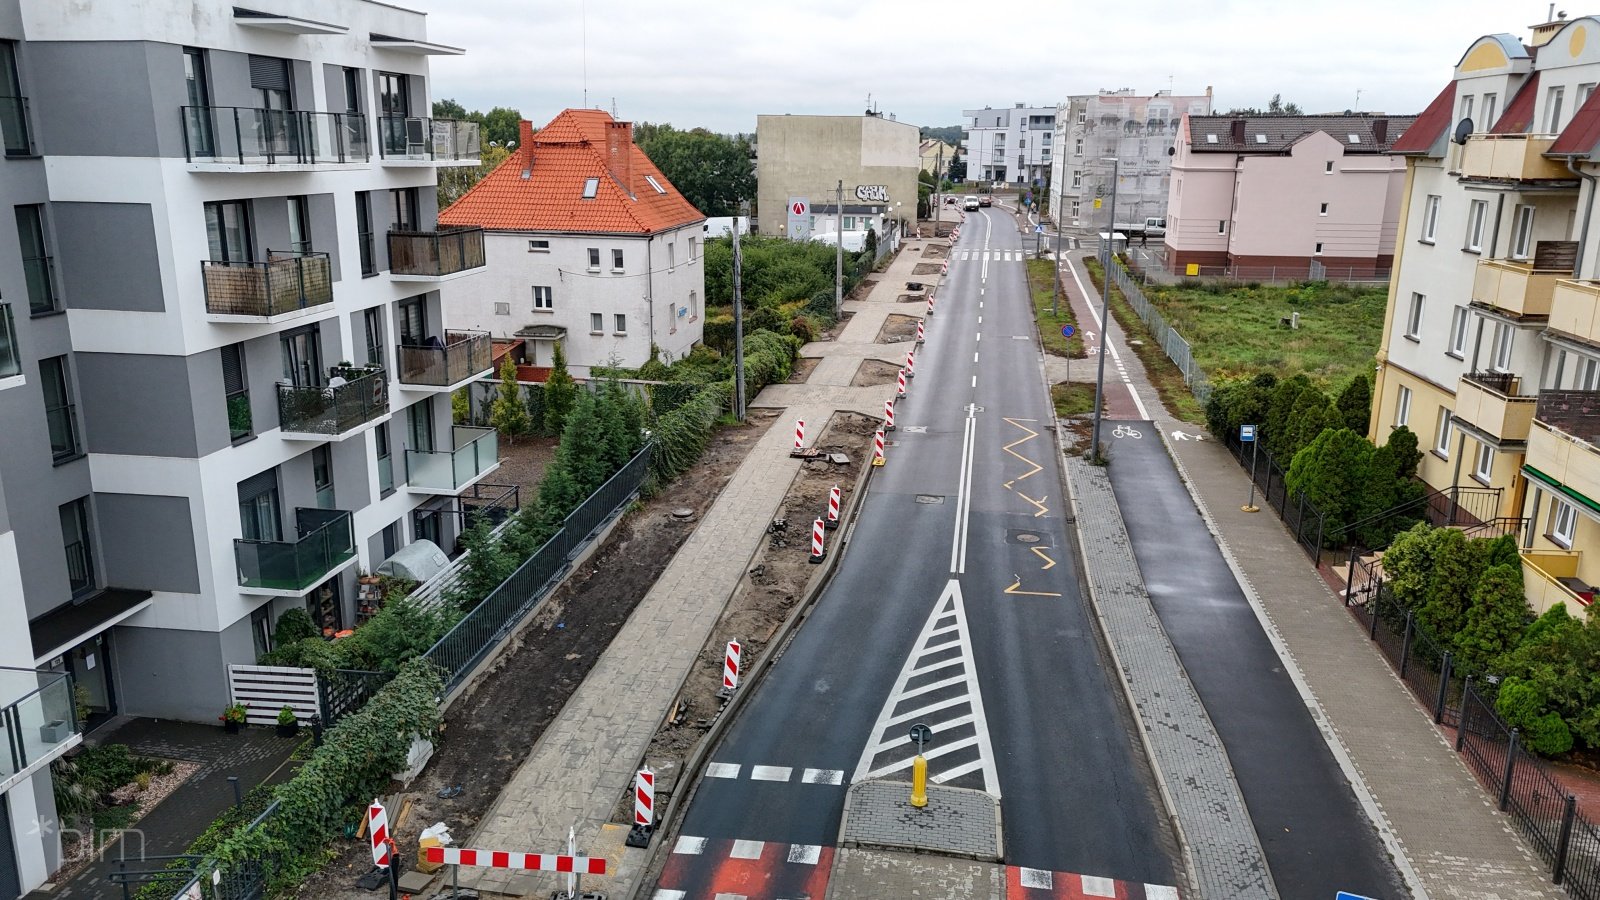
926,227
918,297
775,581
896,328
874,371
936,251
523,463
832,334
802,369
489,730
926,269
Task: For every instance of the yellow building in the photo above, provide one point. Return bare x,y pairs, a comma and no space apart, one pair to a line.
1491,344
935,155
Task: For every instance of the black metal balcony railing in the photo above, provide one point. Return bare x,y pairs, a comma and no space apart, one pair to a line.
286,282
1502,382
10,353
443,252
39,273
326,541
16,126
237,134
461,355
416,137
333,409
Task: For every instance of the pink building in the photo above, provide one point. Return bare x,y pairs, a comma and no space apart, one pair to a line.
1286,191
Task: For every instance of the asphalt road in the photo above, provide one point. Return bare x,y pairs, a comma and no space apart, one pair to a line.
957,604
1315,835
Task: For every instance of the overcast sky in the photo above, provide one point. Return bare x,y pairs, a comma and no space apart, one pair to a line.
719,63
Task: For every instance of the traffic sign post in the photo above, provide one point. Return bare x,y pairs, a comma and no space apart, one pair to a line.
1247,435
922,734
1067,331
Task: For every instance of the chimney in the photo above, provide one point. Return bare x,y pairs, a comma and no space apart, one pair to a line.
1236,131
1380,131
525,145
619,153
1544,32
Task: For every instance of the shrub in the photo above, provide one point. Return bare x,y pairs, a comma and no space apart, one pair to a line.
800,327
560,393
1333,471
1355,404
1496,617
509,415
293,625
1523,706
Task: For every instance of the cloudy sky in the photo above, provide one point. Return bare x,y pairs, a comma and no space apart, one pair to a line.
719,63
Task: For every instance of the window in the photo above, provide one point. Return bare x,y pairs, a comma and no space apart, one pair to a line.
1261,138
1466,109
694,306
591,186
236,393
385,463
1504,334
694,249
299,225
594,259
1522,232
1475,217
372,319
1323,211
1077,147
849,223
1459,318
369,257
1483,464
414,321
1430,219
1354,138
597,323
419,424
538,246
60,413
228,231
1211,138
1318,251
1074,208
621,324
1563,523
392,98
403,209
1441,434
75,540
672,255
1489,109
391,538
1327,167
278,132
352,90
651,179
1414,316
543,298
1077,178
197,93
616,261
1402,407
1552,109
1222,226
37,268
1587,373
259,518
302,356
322,476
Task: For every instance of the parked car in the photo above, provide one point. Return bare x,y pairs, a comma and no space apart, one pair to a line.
985,201
970,203
950,200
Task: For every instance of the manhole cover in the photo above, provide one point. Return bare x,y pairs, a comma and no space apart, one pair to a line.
929,498
1019,536
1028,538
683,512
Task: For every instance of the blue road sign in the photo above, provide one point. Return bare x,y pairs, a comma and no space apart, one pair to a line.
1067,331
1039,228
1346,895
1247,433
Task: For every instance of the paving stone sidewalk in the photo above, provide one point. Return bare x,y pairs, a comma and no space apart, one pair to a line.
1221,850
956,821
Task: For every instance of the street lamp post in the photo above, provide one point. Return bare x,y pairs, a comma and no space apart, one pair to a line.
1105,309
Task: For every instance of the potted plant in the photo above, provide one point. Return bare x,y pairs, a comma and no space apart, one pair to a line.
233,716
288,722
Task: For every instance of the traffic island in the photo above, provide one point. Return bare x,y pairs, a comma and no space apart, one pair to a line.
956,822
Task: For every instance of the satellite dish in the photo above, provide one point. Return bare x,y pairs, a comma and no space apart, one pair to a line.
1172,151
1463,129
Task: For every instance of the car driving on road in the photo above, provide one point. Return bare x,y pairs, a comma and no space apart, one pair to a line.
970,203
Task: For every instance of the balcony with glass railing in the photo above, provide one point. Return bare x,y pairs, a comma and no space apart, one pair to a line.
285,286
447,364
324,545
1512,157
354,397
412,140
16,126
475,453
39,720
238,138
10,353
435,255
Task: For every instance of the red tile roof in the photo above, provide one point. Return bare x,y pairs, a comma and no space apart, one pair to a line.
540,186
1431,123
1519,112
1582,134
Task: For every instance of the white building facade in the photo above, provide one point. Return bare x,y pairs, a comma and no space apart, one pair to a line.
1015,145
1138,131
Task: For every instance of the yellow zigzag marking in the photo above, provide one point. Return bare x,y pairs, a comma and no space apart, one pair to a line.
1037,504
1013,589
1031,435
1049,563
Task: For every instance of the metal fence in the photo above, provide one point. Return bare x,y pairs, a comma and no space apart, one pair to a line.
344,691
1303,519
465,645
1174,344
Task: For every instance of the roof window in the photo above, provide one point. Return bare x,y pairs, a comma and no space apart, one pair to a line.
1211,139
1355,138
655,184
591,186
1261,138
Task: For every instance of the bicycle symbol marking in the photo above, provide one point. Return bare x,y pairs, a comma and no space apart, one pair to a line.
1122,431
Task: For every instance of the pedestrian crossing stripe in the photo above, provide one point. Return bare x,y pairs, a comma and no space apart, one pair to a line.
991,255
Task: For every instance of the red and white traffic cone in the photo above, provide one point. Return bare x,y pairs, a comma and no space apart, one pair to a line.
833,508
730,667
911,363
799,436
888,414
816,540
900,384
877,448
919,331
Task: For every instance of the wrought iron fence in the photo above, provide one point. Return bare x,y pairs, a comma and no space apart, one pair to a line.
209,879
1303,519
343,691
1172,343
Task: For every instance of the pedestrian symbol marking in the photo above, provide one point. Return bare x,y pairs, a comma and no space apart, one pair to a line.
1038,229
1180,436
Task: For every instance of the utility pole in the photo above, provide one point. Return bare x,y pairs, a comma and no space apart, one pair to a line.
938,182
1061,224
1105,311
838,251
738,321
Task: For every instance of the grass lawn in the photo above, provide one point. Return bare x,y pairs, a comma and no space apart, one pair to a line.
1236,330
1163,373
1040,271
1072,398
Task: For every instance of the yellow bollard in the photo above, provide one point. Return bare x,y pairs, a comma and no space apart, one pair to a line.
919,782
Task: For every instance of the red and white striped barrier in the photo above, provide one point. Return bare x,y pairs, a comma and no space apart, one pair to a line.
920,336
877,448
799,435
944,267
833,507
930,306
644,798
888,414
900,384
500,859
378,832
911,363
816,541
730,666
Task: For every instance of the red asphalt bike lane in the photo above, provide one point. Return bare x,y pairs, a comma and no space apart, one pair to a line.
752,869
1039,884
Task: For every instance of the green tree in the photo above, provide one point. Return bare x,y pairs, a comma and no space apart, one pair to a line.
488,563
1275,431
509,415
1494,621
502,125
560,392
1408,564
1311,416
1355,403
957,170
1524,706
713,172
1332,471
449,109
583,450
1457,565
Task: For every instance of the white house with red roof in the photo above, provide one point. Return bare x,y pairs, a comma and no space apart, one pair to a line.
587,244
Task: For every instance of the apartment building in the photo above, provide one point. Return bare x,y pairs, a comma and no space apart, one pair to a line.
805,158
935,156
1134,129
1491,346
1311,193
1010,145
589,246
223,369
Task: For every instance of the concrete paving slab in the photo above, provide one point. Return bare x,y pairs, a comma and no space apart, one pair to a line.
956,821
863,874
